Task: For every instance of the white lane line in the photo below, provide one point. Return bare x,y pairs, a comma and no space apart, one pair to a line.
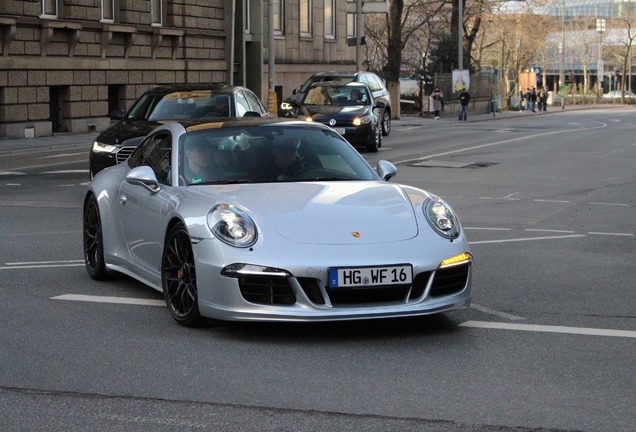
115,300
62,155
549,329
41,266
489,311
43,262
549,230
612,234
551,201
488,229
527,239
609,204
529,137
11,173
78,171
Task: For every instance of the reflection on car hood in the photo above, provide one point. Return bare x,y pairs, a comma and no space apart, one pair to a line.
319,112
328,212
125,130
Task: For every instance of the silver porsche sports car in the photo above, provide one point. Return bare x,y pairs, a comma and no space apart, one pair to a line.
273,220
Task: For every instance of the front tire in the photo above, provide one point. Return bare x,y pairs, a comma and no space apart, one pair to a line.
93,240
178,277
386,122
374,145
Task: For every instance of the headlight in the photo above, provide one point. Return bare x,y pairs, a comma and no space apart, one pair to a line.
232,225
103,148
306,118
362,120
286,106
441,217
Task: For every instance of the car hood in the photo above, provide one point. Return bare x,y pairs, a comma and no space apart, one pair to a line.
322,112
126,130
328,212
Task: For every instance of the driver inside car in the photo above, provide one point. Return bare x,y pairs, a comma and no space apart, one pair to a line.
285,160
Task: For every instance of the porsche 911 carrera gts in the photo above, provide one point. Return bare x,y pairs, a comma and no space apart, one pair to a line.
273,220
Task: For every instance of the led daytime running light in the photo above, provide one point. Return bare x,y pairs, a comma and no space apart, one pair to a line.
461,258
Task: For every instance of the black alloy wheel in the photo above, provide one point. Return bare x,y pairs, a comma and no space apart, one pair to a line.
93,240
179,280
376,142
386,122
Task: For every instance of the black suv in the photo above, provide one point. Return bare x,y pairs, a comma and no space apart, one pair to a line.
374,82
165,103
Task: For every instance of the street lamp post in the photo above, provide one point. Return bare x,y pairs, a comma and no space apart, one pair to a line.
600,28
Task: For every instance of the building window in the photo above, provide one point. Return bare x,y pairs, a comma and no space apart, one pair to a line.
279,15
108,10
351,25
49,8
157,12
305,18
247,24
330,19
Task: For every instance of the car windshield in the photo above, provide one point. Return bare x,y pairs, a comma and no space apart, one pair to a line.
326,78
182,105
269,153
337,95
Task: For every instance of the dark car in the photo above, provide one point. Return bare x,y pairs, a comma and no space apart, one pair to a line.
374,82
165,103
348,108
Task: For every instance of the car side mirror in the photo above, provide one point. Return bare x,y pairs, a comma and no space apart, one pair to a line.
380,105
117,114
386,170
144,176
294,91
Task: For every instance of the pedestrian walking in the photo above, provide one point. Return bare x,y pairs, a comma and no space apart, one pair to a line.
533,99
438,100
464,98
528,96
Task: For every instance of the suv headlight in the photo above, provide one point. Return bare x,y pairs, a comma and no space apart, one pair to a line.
232,225
441,217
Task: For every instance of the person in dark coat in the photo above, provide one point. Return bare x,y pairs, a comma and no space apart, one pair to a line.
464,98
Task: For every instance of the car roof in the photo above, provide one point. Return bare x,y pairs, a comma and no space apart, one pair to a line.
216,87
239,122
338,84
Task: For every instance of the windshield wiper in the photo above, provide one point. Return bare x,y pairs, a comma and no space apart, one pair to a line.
236,181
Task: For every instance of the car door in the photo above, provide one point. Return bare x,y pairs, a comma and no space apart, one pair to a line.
143,211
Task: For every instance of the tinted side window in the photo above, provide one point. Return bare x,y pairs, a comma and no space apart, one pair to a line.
242,105
254,103
154,152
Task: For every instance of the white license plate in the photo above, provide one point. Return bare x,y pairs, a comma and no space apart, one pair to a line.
341,131
370,276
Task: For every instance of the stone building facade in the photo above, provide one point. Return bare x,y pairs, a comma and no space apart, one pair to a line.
66,64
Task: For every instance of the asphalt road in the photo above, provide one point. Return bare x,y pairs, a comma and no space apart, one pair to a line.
549,205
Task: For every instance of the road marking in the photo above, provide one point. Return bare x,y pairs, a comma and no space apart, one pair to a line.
63,155
488,229
527,239
489,311
609,204
496,143
77,171
11,173
548,230
612,234
549,329
551,201
42,264
114,300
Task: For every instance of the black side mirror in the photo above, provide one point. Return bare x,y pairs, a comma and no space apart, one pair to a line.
117,114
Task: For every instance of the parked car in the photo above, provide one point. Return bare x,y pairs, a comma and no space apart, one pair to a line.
171,102
375,83
349,108
618,94
332,240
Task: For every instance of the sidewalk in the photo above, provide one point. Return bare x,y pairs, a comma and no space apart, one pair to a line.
66,141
